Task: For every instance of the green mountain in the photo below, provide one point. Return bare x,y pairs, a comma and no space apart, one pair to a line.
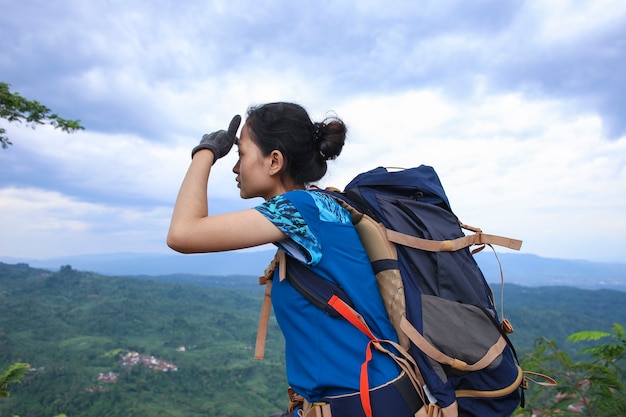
519,268
556,312
72,326
114,346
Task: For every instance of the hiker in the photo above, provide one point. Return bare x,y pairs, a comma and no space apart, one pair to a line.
281,153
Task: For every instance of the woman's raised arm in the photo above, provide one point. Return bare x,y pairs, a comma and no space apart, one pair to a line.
192,229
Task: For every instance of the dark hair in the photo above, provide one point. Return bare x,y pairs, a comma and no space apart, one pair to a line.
306,146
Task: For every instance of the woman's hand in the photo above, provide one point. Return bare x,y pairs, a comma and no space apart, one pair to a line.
192,229
219,142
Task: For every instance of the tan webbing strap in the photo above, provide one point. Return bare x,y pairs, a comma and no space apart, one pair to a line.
266,307
452,245
493,239
505,242
406,362
264,318
316,410
495,393
282,265
494,351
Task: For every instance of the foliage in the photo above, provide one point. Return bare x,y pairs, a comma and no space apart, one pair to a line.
556,312
15,108
72,325
12,375
591,385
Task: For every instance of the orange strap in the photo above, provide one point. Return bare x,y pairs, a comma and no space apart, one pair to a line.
357,321
351,315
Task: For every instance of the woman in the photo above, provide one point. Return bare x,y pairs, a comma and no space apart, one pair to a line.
281,152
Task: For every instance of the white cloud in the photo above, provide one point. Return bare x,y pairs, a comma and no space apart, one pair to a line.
531,169
508,101
527,168
40,223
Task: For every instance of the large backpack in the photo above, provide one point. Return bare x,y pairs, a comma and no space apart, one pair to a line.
435,294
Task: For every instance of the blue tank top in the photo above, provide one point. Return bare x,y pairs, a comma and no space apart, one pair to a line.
324,354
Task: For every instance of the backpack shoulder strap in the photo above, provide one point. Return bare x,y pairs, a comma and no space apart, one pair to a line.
313,287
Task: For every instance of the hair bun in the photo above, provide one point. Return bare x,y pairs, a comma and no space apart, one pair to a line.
329,137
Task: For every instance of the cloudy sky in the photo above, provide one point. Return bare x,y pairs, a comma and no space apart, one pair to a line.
519,105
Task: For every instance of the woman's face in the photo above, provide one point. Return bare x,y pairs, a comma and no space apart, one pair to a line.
253,169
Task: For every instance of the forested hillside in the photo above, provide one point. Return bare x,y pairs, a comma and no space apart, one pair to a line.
73,326
80,330
557,312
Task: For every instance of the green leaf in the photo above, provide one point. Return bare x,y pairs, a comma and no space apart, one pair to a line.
15,108
588,336
12,375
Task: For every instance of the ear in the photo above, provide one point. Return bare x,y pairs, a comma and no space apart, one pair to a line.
276,162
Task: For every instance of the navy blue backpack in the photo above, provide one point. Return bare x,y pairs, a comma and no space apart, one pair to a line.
435,294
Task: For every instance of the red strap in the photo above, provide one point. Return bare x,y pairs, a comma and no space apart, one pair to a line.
357,321
349,314
364,383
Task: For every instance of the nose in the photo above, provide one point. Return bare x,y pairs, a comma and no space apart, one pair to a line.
236,167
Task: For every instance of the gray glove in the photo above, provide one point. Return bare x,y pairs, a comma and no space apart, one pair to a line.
221,141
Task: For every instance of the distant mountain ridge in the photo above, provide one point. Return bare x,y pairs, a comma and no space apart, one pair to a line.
125,264
76,328
521,269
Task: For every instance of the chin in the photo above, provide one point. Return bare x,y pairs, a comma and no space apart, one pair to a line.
245,196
